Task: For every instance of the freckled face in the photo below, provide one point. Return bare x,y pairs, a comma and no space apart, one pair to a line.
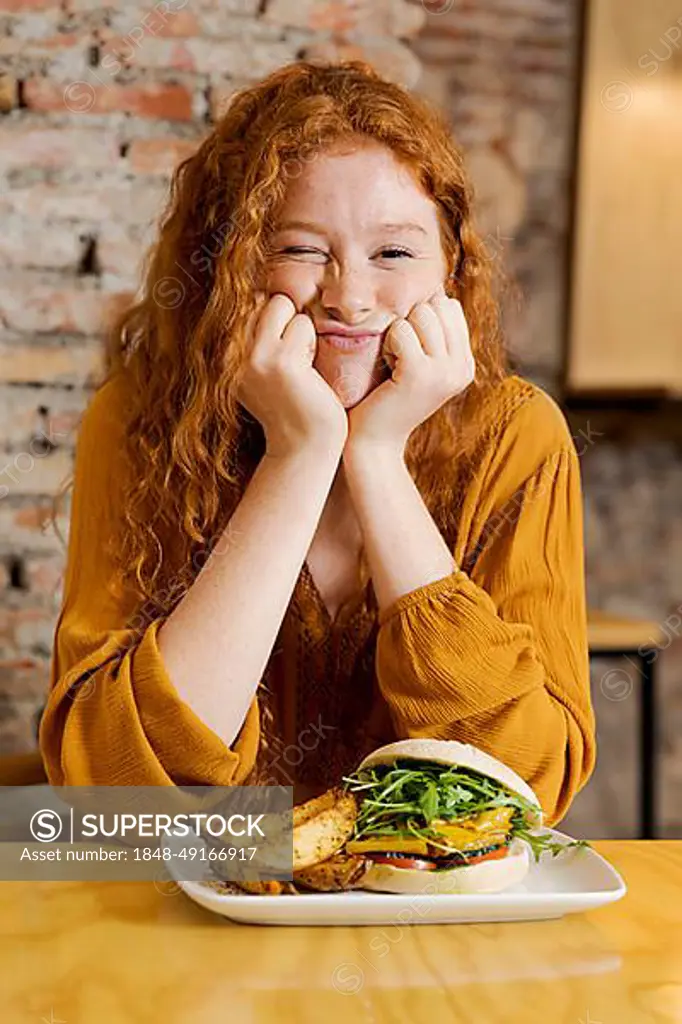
369,250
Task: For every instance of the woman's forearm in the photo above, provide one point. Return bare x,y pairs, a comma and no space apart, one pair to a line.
405,548
217,641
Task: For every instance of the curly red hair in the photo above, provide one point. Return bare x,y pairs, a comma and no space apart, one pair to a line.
181,346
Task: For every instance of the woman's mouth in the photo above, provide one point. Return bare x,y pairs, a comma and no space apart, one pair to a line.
347,343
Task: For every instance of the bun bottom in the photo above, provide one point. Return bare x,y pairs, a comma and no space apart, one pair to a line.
486,876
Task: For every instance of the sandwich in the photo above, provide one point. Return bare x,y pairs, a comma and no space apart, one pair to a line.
442,816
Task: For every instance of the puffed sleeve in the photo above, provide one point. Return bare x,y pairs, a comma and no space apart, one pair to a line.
497,656
113,716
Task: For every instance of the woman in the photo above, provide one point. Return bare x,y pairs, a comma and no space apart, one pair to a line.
313,509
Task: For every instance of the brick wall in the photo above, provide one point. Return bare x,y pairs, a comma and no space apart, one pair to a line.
505,72
97,104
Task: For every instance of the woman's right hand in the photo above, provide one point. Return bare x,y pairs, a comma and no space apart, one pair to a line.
281,388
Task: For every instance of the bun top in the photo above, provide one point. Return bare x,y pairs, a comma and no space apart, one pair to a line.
464,755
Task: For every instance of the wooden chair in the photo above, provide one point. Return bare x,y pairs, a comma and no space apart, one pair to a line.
22,769
635,640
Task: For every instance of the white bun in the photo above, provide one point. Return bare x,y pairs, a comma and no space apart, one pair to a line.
465,755
487,876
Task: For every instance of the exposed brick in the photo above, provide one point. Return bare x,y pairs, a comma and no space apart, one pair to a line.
17,733
124,222
227,8
7,646
159,156
17,739
204,56
390,58
136,26
9,93
138,206
29,629
63,55
91,205
151,99
92,13
136,23
24,679
26,305
220,22
81,6
533,144
241,59
74,363
120,251
25,6
24,426
121,52
14,44
26,630
31,528
381,17
46,201
42,582
219,96
45,576
36,24
34,476
57,147
31,245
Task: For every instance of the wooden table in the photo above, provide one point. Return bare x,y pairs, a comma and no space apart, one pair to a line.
132,953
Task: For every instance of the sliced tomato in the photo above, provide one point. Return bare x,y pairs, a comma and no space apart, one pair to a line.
415,863
492,855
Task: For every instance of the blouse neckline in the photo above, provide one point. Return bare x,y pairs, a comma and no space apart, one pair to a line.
353,608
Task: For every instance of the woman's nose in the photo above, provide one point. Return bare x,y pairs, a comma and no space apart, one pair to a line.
346,294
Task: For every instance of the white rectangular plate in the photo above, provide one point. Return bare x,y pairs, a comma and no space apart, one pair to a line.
574,880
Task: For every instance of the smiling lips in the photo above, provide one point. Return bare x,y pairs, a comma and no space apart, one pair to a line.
349,343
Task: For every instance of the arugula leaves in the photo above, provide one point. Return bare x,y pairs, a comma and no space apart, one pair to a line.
404,798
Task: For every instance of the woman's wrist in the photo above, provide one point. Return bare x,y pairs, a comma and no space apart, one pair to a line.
361,451
325,448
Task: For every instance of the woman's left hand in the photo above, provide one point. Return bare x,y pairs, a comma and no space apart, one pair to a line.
431,360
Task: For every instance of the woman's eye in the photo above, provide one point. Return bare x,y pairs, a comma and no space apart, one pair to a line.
399,252
299,250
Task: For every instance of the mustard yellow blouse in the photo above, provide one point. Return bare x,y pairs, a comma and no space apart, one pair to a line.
494,654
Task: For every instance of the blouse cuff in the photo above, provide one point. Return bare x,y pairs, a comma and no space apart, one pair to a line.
444,587
449,655
176,732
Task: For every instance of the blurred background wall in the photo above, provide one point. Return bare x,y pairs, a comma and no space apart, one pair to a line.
98,103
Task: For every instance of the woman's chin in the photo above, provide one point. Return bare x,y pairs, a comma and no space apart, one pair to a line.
350,388
352,383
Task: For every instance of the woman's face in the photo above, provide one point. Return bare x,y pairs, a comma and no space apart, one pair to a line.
355,246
